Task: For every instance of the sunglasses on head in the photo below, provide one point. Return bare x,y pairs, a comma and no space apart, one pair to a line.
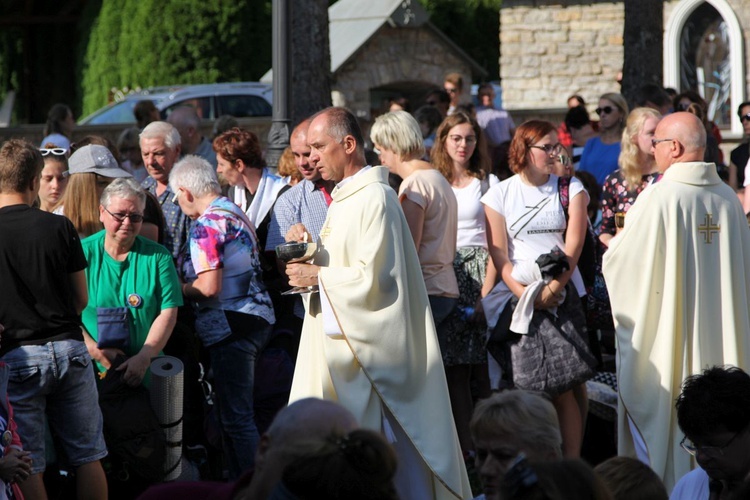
605,110
744,118
53,151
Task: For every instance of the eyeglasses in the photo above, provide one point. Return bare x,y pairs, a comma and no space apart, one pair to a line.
550,149
456,139
53,151
745,118
714,451
134,218
682,106
605,110
654,142
450,91
435,103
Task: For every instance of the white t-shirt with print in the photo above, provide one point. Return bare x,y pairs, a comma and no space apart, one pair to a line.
472,226
534,218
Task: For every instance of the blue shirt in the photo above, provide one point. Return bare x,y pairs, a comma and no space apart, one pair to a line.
178,224
303,203
599,159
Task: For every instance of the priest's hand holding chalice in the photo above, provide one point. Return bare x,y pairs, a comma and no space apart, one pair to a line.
297,252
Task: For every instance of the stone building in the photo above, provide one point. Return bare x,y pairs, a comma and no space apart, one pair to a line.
389,48
550,49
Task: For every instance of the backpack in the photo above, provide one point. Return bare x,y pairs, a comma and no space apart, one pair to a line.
588,259
131,430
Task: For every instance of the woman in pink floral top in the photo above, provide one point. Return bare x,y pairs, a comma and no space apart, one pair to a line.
637,170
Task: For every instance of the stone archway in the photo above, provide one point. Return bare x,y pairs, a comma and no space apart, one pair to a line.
673,35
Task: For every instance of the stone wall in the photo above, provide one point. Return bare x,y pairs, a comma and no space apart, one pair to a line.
412,56
548,52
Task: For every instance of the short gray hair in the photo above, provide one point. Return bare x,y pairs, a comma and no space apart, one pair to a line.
127,189
399,132
164,131
196,175
529,416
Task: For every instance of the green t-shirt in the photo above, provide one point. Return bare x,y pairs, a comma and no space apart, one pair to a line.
148,272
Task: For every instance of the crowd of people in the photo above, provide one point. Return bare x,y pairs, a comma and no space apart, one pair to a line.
459,294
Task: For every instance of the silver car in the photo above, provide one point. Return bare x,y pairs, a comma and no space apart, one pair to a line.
241,99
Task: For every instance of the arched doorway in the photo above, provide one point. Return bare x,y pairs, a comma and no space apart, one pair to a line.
703,51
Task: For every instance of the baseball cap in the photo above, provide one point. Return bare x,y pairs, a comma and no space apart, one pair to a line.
95,159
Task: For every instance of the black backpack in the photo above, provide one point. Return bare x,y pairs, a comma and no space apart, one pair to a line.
131,430
589,256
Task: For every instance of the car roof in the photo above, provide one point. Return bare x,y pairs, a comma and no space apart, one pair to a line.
165,95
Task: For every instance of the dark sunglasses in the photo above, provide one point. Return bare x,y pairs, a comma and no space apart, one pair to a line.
53,151
745,118
605,110
134,218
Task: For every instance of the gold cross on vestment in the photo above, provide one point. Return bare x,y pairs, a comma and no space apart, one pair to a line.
708,229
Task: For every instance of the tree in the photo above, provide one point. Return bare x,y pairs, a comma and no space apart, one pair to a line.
141,43
643,41
473,25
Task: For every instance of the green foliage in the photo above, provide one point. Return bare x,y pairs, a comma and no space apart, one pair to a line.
474,25
142,43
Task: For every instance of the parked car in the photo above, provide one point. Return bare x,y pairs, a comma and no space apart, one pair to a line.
241,99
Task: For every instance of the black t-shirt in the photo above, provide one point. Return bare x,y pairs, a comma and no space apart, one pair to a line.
38,252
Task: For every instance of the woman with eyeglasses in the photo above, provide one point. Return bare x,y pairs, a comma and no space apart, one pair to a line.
637,170
134,291
460,154
53,179
601,153
535,244
91,169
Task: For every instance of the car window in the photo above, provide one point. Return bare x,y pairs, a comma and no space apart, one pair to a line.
202,106
241,106
122,112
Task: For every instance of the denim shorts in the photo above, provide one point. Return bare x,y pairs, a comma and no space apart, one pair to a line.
56,379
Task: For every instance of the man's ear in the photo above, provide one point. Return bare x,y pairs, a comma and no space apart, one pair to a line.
350,145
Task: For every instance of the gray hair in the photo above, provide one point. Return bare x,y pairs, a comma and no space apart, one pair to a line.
184,116
164,131
196,175
399,132
528,416
125,188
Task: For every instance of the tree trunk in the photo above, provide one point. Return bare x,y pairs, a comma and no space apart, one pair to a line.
643,41
311,59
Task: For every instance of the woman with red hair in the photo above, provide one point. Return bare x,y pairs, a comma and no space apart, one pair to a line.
536,224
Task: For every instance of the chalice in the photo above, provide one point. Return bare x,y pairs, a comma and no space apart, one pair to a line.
293,252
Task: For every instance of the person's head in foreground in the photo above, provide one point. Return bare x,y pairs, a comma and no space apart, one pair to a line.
713,411
628,478
509,423
559,480
340,466
300,421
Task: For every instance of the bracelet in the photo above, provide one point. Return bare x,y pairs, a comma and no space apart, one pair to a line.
550,290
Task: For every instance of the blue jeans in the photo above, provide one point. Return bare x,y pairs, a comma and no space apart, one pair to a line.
233,365
56,378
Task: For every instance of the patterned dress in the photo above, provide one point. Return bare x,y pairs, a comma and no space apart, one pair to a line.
617,197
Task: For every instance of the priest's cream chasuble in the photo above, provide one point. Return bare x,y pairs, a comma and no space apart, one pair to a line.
384,357
678,277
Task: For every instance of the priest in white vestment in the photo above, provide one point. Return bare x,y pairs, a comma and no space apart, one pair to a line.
368,340
678,277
